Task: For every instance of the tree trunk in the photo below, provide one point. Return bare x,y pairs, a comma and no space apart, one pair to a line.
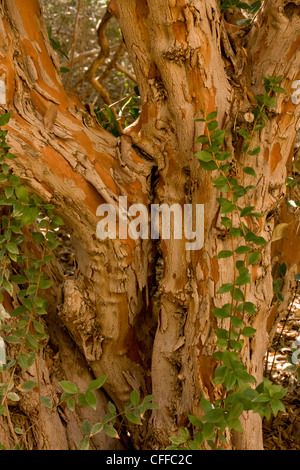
140,310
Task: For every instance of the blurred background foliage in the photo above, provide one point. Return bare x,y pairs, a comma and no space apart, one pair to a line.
93,59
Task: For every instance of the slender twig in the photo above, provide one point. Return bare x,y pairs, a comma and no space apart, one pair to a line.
126,72
75,38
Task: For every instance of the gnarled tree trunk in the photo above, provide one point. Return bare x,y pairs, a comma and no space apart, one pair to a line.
140,310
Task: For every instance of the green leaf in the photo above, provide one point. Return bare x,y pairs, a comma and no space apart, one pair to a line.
226,205
45,284
32,342
261,123
18,431
255,151
280,296
279,231
277,285
222,333
211,126
224,254
132,417
208,431
236,232
30,214
208,166
253,257
248,307
278,89
230,379
26,360
277,406
71,404
269,101
248,331
244,134
243,21
28,385
44,224
14,180
8,286
211,116
261,398
39,328
251,237
135,397
235,424
228,287
184,433
96,429
57,221
46,402
243,249
203,139
176,441
243,279
254,7
31,289
237,322
152,406
222,157
239,191
91,399
84,444
205,405
81,399
217,137
222,343
238,295
234,344
221,183
86,428
247,210
110,431
214,416
12,248
195,421
69,387
194,445
38,237
9,191
226,222
4,119
13,396
204,156
98,383
148,398
3,411
13,339
18,279
22,194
